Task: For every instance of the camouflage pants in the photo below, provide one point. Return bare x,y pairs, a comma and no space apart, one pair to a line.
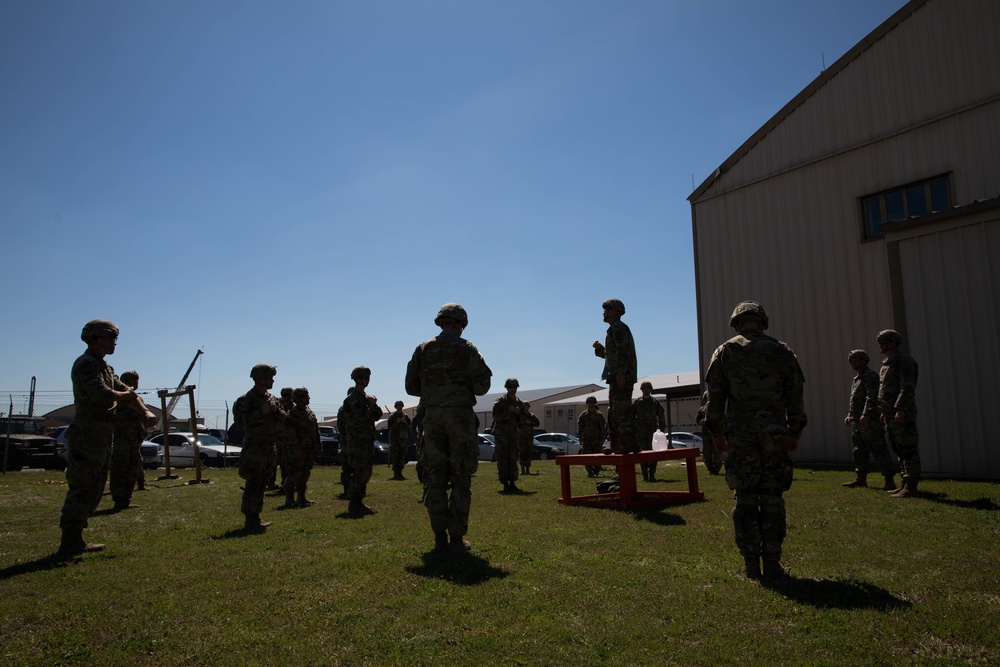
869,443
280,464
645,439
298,466
126,462
506,453
256,468
397,454
588,446
621,418
360,457
450,457
524,448
903,441
87,459
759,470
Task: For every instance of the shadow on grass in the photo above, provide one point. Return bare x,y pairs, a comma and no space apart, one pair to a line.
986,504
462,569
833,594
661,517
50,562
237,533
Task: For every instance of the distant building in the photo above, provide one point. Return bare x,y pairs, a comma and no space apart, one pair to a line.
872,201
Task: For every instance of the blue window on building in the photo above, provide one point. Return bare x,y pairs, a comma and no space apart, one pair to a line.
906,201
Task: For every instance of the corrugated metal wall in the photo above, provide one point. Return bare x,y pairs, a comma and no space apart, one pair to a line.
783,225
953,315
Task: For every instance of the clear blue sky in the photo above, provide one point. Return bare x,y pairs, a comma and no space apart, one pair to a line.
305,183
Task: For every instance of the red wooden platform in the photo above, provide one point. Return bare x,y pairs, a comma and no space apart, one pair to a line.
628,497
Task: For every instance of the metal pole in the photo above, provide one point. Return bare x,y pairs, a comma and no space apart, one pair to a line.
31,398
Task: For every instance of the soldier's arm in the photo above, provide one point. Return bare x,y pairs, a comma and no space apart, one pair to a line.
479,373
412,381
906,400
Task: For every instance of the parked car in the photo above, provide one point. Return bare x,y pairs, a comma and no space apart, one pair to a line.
486,447
682,439
221,434
542,451
27,446
210,449
564,442
381,453
152,454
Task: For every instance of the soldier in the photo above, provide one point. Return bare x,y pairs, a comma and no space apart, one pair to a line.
525,438
592,430
361,411
621,373
709,454
508,413
898,407
284,440
649,417
399,434
261,415
126,459
448,372
869,440
299,455
755,405
89,438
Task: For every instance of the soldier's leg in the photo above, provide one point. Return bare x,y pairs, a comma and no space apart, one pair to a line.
645,440
434,457
772,523
121,468
906,440
463,460
293,478
743,475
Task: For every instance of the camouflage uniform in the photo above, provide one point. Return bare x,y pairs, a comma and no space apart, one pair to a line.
126,459
346,472
649,417
755,398
361,416
257,459
299,455
897,393
592,430
619,357
526,437
89,438
709,454
418,431
283,442
399,434
869,440
447,372
506,427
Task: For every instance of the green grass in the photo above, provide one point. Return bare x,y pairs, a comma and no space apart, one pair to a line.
877,581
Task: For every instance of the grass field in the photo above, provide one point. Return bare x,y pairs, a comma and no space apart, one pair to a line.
876,581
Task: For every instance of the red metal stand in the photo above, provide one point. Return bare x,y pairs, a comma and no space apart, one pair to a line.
628,497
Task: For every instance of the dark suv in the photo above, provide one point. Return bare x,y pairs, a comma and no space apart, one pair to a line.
27,446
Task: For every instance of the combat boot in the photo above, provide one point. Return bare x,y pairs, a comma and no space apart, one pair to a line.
459,545
302,501
72,543
645,473
890,485
440,542
124,505
751,567
289,500
774,570
652,475
909,489
859,482
254,523
358,507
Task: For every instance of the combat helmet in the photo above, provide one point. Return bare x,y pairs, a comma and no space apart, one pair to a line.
614,304
453,311
591,400
95,328
398,404
263,369
512,382
299,393
360,371
749,309
858,354
889,336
